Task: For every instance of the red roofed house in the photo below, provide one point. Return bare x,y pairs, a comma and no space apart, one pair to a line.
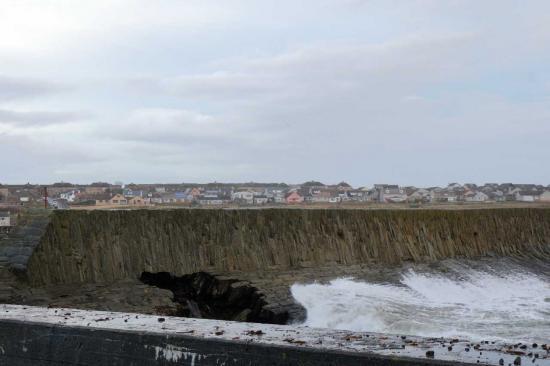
294,197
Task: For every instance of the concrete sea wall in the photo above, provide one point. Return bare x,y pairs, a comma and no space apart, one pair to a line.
56,336
102,246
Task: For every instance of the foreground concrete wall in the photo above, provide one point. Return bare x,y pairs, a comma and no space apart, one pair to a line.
49,336
45,344
99,246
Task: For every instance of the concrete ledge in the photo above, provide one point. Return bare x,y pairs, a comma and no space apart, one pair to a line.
40,336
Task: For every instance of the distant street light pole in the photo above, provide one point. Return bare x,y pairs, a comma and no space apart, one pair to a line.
45,197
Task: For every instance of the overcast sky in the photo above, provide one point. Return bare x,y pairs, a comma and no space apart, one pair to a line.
410,92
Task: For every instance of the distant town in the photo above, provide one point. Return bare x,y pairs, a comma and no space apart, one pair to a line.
106,195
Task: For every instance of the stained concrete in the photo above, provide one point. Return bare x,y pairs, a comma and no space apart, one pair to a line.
39,336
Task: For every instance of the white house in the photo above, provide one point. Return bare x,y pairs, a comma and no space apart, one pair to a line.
4,219
527,196
390,193
419,195
545,196
260,200
70,196
243,196
476,197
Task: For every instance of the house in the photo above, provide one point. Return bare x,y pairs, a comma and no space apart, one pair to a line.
419,195
357,195
69,196
210,201
390,193
294,197
58,203
183,196
128,192
136,201
168,198
118,199
260,200
528,196
5,219
321,195
476,197
243,197
545,196
4,193
100,199
444,195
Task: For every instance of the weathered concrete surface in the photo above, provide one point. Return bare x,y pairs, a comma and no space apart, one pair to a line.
39,336
16,248
105,246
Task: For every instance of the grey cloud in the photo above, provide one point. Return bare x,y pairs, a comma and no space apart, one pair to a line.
39,118
19,88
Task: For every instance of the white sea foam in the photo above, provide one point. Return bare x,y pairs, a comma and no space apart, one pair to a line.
479,305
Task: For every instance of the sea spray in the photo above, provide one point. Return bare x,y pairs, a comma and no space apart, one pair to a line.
471,303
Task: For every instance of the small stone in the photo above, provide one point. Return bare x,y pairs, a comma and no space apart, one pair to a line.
501,362
467,349
535,345
161,320
517,361
430,354
450,348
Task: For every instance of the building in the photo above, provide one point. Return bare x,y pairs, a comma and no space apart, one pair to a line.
390,193
243,197
528,196
118,199
5,219
294,197
136,201
476,197
69,196
545,197
260,200
210,201
4,193
100,199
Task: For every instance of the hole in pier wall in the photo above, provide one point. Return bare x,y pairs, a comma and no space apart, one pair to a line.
202,295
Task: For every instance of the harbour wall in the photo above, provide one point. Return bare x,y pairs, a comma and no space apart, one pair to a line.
103,246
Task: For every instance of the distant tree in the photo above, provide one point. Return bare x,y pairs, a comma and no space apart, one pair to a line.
100,184
344,184
62,184
312,183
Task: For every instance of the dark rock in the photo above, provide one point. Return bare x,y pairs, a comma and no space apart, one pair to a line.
517,361
501,362
430,354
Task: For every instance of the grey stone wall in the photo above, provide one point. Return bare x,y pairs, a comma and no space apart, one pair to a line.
104,246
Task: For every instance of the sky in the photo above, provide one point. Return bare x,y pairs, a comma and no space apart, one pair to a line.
415,92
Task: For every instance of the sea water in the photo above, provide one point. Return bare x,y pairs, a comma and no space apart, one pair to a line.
511,305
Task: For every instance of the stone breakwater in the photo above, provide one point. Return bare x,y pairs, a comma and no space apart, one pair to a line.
106,246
